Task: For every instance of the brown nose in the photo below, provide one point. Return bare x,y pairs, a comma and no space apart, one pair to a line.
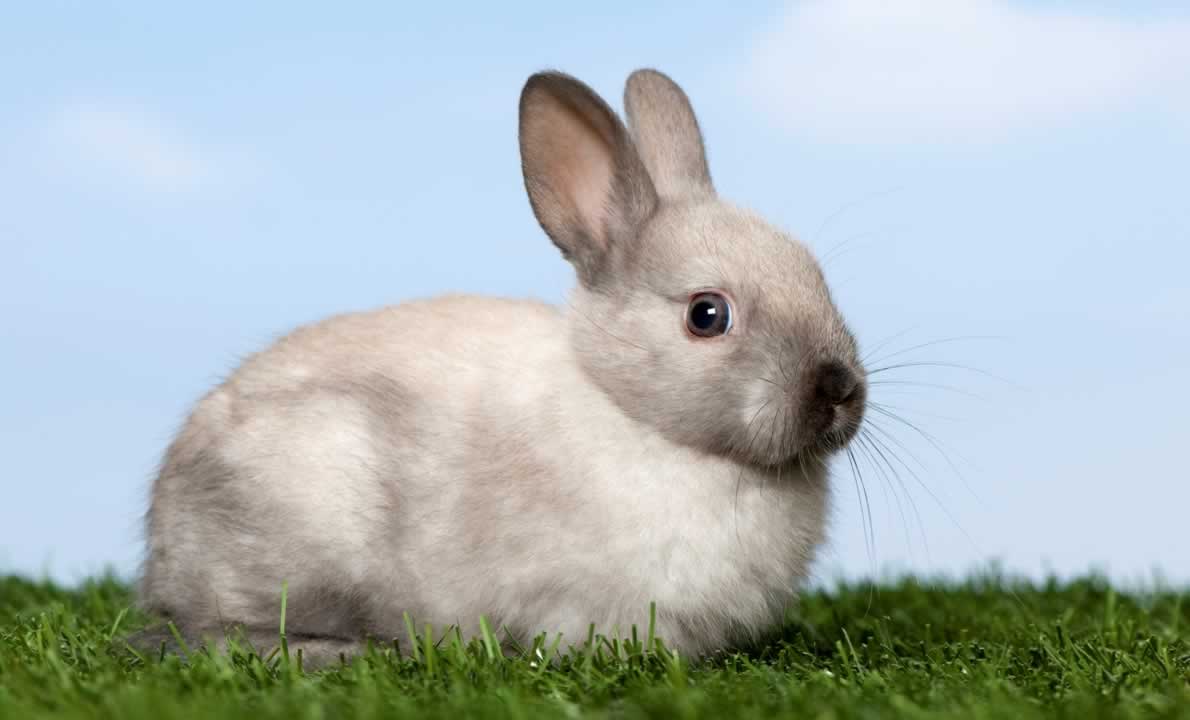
835,383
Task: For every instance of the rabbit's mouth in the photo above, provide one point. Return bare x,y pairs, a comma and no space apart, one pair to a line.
807,423
836,440
817,447
821,449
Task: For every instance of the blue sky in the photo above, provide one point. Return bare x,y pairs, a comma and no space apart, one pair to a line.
180,185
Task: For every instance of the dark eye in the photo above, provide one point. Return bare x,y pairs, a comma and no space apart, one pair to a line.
708,315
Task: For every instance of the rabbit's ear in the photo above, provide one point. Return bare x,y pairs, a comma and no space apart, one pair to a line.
667,135
587,185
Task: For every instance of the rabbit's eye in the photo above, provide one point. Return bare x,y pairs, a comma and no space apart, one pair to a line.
708,315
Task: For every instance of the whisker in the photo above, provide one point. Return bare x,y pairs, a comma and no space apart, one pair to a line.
937,501
885,487
849,206
740,476
884,343
870,440
781,364
927,436
884,409
892,438
915,411
772,436
932,343
783,442
869,530
891,454
941,364
841,249
865,510
888,485
932,386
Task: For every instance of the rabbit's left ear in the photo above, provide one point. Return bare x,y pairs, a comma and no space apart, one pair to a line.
587,185
667,137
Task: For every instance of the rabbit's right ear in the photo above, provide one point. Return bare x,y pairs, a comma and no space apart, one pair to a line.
586,183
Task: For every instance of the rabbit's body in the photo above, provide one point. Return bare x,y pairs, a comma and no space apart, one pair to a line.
661,440
549,509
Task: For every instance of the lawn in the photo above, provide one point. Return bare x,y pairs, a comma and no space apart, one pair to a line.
986,647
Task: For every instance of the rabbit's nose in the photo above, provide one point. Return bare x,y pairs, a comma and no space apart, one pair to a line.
835,383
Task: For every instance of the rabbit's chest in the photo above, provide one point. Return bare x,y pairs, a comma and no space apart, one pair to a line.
714,526
700,537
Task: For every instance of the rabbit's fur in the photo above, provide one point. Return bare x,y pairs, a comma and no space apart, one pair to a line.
545,467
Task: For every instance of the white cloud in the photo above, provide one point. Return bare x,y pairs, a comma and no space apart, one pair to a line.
961,70
124,143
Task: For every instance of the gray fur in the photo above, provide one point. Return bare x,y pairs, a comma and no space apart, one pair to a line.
666,132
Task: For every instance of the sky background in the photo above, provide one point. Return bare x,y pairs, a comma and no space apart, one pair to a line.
180,185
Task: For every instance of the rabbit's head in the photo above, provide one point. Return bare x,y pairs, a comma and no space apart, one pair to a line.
695,317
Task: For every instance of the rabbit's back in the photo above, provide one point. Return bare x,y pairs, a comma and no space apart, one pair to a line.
312,463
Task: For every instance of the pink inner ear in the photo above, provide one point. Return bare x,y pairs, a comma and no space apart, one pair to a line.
579,161
593,181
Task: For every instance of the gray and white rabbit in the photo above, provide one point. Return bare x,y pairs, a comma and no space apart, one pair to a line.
662,438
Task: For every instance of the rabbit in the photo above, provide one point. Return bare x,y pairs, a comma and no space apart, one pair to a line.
663,437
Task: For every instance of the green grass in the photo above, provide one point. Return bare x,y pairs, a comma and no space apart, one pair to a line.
982,648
